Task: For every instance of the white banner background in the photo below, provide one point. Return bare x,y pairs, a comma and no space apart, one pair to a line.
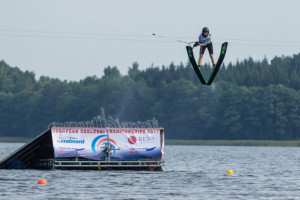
133,144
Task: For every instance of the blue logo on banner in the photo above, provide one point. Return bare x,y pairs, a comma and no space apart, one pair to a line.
70,140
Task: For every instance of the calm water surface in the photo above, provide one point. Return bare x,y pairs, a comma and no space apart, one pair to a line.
191,172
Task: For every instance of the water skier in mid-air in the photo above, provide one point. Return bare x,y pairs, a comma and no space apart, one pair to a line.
205,42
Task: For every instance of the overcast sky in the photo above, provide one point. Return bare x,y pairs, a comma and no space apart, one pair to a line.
72,39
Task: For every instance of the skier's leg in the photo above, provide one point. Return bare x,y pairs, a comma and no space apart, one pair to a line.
211,53
212,59
200,59
202,50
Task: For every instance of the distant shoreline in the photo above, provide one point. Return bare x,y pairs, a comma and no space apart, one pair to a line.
14,140
270,143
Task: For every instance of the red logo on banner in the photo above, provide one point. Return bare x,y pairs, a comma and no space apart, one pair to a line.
132,140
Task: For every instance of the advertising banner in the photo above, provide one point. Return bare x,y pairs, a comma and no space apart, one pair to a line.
126,143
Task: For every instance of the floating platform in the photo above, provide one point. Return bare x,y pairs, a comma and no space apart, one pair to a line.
84,164
40,154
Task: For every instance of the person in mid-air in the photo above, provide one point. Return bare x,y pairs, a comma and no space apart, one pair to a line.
205,42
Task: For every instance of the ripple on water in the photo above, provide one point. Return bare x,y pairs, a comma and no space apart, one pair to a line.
191,172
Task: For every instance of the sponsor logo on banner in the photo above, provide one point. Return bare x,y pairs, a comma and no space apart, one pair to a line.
146,139
71,140
134,150
101,141
69,149
132,140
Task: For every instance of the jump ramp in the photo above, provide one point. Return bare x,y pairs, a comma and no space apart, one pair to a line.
28,155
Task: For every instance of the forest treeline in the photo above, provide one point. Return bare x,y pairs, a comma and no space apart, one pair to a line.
249,100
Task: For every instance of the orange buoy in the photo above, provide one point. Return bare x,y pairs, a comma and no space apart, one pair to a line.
42,182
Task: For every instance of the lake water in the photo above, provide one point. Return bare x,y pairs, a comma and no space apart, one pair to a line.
191,172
